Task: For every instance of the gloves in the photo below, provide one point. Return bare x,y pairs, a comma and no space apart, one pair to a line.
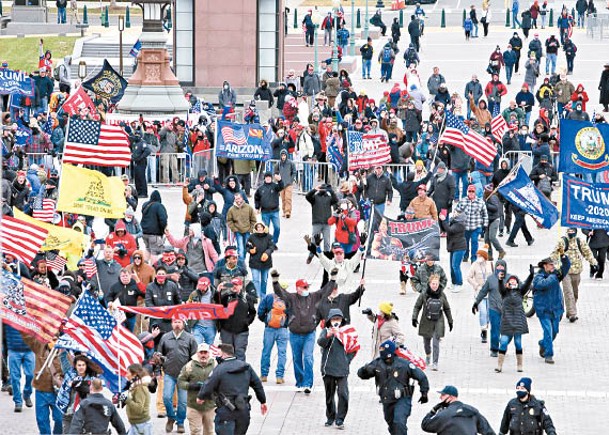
195,386
415,322
475,308
439,406
424,398
450,327
264,257
333,273
531,269
362,238
367,311
317,238
274,273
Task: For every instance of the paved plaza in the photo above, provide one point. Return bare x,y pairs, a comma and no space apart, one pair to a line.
575,389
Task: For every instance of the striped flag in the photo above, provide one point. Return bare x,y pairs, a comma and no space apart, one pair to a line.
404,352
347,335
233,134
109,344
90,268
56,262
473,144
498,127
44,211
367,149
32,308
94,143
21,239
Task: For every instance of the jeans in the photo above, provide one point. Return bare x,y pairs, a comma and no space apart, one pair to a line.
504,340
460,178
471,239
45,409
205,334
326,231
141,428
239,341
570,63
483,313
366,64
549,325
272,336
385,71
475,32
61,15
543,21
17,361
580,19
302,355
396,415
456,257
515,20
550,60
129,323
272,217
336,386
259,278
380,208
242,239
495,318
169,385
151,168
509,69
43,104
490,238
491,109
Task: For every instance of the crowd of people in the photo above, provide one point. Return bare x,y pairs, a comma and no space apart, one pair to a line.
225,253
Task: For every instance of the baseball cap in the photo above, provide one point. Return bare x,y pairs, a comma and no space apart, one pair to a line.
203,282
125,177
422,187
203,347
230,253
450,390
236,281
302,283
471,188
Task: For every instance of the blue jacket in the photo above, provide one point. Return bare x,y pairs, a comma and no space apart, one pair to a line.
467,25
265,307
547,294
14,341
562,23
509,57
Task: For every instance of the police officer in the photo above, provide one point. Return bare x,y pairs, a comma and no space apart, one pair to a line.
96,413
393,377
526,414
452,417
230,382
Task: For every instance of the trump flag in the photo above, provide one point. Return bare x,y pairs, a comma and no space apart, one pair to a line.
243,141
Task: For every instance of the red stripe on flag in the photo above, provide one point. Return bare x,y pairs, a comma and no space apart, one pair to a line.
112,149
472,144
498,127
21,239
47,212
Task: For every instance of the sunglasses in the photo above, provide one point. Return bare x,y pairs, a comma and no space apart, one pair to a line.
137,258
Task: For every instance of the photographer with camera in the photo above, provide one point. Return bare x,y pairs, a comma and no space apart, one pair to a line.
123,244
230,383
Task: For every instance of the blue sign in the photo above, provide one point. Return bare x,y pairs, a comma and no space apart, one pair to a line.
243,141
585,205
521,192
23,136
583,147
16,82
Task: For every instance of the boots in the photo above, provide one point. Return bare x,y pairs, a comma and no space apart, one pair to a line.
519,358
500,360
402,288
484,335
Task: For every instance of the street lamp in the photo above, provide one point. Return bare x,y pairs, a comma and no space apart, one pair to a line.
352,42
366,28
82,70
153,11
121,27
335,10
315,19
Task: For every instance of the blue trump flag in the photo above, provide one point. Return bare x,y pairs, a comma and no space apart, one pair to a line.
243,141
521,192
585,205
583,147
16,82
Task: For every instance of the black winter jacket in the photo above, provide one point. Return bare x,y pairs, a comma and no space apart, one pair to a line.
321,201
530,418
456,419
266,197
244,315
126,294
258,244
154,216
455,234
378,189
334,360
442,192
493,208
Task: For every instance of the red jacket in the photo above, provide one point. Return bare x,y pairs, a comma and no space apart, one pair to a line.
488,90
128,241
345,225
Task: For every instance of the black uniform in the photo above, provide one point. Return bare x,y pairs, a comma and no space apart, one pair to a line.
456,418
526,418
95,415
395,388
139,155
230,382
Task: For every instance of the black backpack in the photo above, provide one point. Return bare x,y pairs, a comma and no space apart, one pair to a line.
433,309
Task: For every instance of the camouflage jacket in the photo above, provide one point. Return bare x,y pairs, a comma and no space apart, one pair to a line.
574,253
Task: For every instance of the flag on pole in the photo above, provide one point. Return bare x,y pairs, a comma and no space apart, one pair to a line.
21,239
472,143
56,262
348,336
90,268
367,149
94,143
32,308
45,210
335,157
498,127
109,344
408,355
190,311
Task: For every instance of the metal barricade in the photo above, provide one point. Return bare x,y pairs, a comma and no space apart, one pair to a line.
515,156
597,26
169,169
203,160
309,174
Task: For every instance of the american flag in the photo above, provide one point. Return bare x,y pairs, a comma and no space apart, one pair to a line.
404,352
45,210
21,239
90,268
94,143
234,135
347,335
56,262
465,138
93,328
32,308
498,127
367,149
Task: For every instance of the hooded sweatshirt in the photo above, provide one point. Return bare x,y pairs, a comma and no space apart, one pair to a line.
126,241
491,288
334,360
154,216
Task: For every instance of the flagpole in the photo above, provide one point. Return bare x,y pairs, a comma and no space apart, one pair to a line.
359,300
118,355
47,362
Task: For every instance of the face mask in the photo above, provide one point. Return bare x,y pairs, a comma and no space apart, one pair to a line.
128,219
226,87
513,286
388,361
521,394
335,324
343,206
305,293
499,272
480,259
571,235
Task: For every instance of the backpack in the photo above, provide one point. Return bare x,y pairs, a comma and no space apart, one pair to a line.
56,73
565,240
433,309
276,317
546,187
386,55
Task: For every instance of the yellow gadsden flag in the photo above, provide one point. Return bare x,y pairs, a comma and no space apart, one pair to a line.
60,238
91,193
